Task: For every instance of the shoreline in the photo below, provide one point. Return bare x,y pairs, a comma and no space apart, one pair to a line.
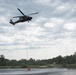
69,66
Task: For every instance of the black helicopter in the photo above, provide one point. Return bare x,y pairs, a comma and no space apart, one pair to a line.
22,18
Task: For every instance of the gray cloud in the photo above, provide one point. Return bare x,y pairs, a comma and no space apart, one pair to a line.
45,31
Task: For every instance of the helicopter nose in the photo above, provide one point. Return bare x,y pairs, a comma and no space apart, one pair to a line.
30,18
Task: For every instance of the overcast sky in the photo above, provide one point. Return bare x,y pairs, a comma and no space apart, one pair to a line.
51,33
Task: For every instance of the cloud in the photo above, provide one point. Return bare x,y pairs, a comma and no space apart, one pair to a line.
70,26
43,2
53,22
52,32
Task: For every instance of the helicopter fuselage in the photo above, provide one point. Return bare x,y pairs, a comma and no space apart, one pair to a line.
21,19
24,18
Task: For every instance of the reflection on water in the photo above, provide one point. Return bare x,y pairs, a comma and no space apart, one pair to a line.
48,71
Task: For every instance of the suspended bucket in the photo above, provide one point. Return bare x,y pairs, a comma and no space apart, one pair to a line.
29,68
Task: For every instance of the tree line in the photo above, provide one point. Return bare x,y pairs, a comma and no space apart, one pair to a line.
59,60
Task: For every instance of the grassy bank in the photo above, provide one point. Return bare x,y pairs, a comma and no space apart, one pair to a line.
4,67
45,66
69,66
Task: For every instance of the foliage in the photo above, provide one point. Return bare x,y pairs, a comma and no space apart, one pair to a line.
67,61
2,60
24,65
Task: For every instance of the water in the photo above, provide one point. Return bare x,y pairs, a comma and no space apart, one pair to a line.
48,71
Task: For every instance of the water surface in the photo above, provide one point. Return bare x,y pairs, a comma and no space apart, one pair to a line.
48,71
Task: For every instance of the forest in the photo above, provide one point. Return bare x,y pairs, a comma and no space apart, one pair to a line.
59,61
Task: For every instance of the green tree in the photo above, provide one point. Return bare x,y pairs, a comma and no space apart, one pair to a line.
21,62
2,60
58,60
31,61
24,65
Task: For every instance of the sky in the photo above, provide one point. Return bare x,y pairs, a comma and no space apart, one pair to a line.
49,34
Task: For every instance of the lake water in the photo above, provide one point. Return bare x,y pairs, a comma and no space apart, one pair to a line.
48,71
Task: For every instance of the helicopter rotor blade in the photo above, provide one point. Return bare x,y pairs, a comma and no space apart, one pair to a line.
17,16
21,12
34,13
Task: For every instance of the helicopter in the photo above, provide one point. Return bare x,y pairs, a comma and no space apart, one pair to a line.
22,18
